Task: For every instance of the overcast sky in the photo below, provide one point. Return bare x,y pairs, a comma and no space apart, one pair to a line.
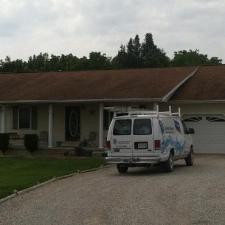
29,27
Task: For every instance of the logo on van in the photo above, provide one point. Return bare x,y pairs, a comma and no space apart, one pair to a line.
161,126
177,126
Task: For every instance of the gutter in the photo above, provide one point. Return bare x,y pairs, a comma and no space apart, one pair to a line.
170,94
83,101
215,101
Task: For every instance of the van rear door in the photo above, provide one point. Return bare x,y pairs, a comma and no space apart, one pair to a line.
121,141
142,137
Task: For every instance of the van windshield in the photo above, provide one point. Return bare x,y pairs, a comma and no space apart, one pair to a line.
122,127
142,127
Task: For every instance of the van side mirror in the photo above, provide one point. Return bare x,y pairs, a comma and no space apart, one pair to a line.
191,131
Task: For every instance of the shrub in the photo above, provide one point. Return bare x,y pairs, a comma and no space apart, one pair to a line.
4,142
31,142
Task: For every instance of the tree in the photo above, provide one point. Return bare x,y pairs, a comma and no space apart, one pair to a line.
151,55
193,58
134,54
121,59
98,61
137,51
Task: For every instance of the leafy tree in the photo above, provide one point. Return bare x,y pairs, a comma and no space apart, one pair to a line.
137,51
151,55
193,58
137,55
121,59
132,55
215,61
98,61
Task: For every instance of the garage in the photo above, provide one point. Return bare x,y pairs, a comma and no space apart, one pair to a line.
209,134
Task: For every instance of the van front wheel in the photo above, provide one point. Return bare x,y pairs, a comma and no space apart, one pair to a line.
122,168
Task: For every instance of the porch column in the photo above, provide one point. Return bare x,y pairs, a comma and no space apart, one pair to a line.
101,128
3,109
155,106
50,126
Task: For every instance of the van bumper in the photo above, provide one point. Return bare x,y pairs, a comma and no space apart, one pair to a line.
132,161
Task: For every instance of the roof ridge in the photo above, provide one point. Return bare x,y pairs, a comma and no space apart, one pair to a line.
170,94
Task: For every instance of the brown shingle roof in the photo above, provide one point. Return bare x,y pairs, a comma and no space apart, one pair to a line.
91,85
207,84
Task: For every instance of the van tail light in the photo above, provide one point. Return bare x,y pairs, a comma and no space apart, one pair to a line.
157,144
108,144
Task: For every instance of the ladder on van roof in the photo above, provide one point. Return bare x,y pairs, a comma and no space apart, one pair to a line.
118,113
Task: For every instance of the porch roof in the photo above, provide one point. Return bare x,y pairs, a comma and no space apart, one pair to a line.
107,85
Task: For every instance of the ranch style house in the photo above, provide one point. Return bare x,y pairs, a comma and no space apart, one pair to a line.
66,108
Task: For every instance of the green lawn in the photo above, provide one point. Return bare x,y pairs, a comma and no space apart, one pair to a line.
19,173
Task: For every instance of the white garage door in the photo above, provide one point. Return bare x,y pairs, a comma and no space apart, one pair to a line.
209,134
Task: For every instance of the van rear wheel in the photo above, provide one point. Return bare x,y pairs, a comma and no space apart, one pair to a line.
168,165
122,168
189,159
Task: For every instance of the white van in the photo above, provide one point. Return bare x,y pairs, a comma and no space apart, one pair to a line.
144,138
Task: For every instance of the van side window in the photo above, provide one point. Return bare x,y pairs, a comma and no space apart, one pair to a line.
185,127
142,127
122,127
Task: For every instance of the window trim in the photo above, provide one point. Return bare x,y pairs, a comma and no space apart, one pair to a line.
31,125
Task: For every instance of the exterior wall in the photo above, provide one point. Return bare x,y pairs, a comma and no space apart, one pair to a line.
211,108
89,119
90,123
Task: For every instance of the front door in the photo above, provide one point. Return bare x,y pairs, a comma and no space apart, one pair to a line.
72,123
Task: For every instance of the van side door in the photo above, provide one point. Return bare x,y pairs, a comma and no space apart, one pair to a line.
179,137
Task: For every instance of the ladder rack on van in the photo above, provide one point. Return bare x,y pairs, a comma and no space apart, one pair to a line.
156,112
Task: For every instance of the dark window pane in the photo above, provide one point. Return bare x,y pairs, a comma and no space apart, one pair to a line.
193,119
142,127
15,117
215,119
24,118
185,127
122,127
34,118
106,120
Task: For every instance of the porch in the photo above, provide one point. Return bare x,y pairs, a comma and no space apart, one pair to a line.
57,125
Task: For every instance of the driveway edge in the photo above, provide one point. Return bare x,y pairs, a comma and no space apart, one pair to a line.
16,193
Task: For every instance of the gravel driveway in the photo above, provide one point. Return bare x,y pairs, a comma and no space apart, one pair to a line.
189,195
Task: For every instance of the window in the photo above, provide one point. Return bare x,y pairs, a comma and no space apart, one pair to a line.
122,127
215,119
142,127
25,117
193,119
185,128
107,119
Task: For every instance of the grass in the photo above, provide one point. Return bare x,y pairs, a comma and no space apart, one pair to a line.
18,173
